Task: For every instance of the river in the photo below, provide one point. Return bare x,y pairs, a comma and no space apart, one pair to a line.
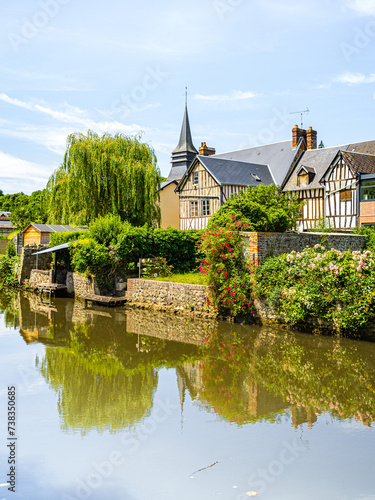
115,404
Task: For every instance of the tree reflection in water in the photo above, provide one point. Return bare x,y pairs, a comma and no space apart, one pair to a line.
107,377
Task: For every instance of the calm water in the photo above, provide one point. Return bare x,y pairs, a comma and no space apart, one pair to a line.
129,405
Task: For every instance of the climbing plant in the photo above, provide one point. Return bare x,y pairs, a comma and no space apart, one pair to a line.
105,174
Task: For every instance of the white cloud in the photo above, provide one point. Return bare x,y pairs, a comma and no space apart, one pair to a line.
235,95
17,174
355,78
73,115
363,7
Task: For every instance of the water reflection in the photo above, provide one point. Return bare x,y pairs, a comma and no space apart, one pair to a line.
104,366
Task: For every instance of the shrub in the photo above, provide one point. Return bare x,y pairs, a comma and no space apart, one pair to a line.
134,244
262,208
335,286
106,230
227,274
10,250
8,270
369,232
179,248
65,237
90,257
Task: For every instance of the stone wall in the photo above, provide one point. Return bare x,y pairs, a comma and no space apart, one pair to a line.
38,277
168,295
79,284
258,246
30,262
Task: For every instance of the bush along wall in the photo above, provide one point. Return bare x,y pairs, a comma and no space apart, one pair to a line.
111,247
335,286
228,275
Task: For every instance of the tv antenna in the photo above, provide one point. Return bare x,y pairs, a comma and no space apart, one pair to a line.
301,113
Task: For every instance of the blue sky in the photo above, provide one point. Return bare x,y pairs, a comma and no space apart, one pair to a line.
72,65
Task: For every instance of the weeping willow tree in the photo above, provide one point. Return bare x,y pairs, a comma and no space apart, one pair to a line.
105,174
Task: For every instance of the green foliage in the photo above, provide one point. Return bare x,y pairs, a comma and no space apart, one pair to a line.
179,248
106,230
262,208
324,284
102,175
156,267
90,257
25,209
8,270
226,272
321,145
66,237
134,244
192,278
322,226
369,232
10,251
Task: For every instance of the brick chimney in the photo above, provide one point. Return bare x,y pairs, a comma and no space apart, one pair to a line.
311,138
297,134
204,150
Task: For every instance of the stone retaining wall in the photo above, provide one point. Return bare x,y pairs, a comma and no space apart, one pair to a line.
30,261
38,277
178,296
258,246
80,285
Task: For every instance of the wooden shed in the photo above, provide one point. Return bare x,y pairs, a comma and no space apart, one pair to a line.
40,233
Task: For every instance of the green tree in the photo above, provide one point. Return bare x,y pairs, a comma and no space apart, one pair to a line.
24,208
321,145
262,208
101,175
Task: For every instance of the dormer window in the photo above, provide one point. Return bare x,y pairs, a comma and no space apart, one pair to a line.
195,178
305,176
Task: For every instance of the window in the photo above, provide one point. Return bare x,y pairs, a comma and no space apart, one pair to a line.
193,209
346,195
195,178
368,190
303,179
205,207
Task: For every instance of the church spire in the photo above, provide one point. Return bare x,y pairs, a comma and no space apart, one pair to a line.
185,152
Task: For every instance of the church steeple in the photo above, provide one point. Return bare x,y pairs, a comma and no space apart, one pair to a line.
185,152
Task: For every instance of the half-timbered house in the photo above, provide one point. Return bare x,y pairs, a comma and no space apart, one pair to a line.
327,180
349,191
210,181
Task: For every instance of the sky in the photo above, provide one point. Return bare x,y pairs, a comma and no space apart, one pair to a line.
122,67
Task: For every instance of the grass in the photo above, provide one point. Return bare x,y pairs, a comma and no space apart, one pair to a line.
192,278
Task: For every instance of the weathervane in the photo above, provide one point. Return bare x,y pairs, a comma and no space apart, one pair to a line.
186,96
300,112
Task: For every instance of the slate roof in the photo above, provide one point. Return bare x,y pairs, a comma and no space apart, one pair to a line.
278,156
166,183
359,162
53,228
237,173
320,160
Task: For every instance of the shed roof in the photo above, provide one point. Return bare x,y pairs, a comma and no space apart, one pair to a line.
53,228
54,249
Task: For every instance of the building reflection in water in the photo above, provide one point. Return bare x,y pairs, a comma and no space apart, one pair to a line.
104,366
